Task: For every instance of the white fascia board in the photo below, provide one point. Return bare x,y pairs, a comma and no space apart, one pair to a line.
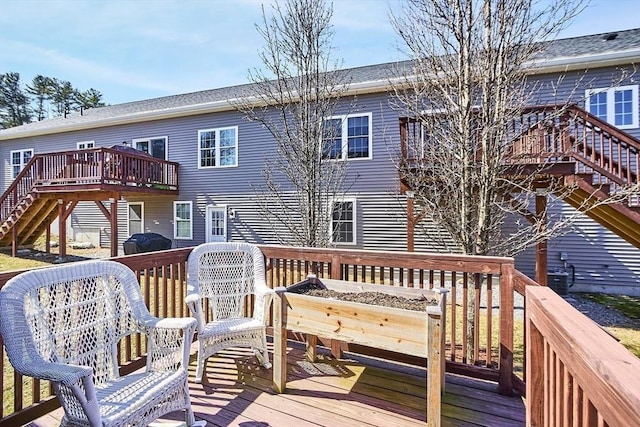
145,116
583,62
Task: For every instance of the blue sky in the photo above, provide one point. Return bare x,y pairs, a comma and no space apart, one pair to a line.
139,49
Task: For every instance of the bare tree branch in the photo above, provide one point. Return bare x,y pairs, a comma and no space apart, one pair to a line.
299,88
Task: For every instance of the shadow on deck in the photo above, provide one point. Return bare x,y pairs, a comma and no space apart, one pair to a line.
354,391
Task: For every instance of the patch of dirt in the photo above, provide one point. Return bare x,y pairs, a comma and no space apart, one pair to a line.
372,298
73,255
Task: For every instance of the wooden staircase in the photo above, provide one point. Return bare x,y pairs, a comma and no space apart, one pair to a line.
53,183
605,164
595,164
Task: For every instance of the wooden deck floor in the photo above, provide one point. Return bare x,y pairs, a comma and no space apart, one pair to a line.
332,392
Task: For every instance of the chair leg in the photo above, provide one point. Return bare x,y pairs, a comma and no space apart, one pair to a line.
265,357
200,365
262,354
191,419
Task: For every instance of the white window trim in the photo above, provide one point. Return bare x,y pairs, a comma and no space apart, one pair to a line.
611,104
11,165
175,220
217,131
141,204
87,145
345,135
355,221
166,143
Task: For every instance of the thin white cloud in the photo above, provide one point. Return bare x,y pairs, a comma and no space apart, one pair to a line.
65,65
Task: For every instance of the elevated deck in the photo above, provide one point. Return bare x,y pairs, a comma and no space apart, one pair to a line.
51,184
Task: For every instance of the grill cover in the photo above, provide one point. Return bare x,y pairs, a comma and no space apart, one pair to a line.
145,242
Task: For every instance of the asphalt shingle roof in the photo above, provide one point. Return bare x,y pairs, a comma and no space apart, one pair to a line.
562,48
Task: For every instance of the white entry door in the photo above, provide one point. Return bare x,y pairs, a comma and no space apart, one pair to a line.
216,224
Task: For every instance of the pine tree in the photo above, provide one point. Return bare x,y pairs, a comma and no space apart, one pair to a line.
14,103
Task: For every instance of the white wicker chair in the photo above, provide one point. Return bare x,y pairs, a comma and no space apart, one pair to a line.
64,323
223,276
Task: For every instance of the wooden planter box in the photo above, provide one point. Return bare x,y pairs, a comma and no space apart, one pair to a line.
411,332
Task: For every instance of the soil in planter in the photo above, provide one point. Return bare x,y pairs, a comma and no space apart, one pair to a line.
372,298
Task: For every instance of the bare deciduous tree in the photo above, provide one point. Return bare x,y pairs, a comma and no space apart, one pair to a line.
299,88
467,86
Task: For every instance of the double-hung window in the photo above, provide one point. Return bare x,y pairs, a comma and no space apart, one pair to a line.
19,159
347,137
616,105
182,220
218,147
343,222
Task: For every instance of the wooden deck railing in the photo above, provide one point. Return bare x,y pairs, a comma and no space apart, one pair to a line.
78,168
577,374
162,278
542,136
557,133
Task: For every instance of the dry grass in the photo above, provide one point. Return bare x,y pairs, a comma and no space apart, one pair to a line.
9,263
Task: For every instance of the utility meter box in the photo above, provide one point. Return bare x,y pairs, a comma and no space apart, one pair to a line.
558,281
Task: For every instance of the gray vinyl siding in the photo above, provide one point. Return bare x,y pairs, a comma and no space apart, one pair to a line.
556,88
603,261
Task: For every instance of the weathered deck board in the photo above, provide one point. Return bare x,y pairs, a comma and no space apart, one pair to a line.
336,392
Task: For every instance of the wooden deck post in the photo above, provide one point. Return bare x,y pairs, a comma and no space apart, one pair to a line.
541,247
410,224
62,230
535,374
279,340
505,385
434,365
114,227
311,347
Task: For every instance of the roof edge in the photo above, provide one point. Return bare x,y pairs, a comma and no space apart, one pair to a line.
563,64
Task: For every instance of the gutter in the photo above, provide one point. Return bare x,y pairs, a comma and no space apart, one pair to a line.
562,64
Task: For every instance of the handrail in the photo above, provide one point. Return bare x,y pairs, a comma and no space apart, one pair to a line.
568,131
90,166
551,134
577,374
10,198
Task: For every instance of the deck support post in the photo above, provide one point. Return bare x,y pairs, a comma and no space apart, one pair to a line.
541,246
411,226
14,240
280,340
114,226
62,230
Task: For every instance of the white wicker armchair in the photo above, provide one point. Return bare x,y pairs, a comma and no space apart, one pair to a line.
223,276
64,323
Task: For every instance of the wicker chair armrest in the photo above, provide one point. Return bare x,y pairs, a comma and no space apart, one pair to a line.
194,303
192,298
183,323
264,297
169,342
56,372
266,292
